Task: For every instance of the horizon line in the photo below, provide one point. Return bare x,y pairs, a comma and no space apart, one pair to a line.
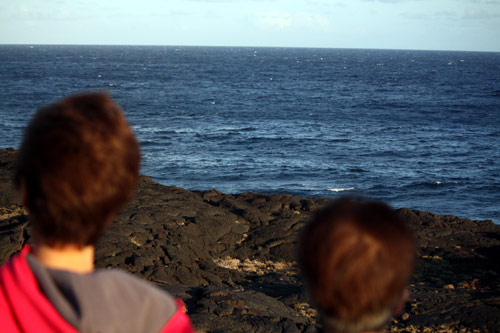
249,46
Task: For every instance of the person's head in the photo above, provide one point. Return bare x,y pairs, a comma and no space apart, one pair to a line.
356,257
77,166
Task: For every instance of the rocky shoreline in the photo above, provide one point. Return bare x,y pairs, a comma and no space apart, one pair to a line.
231,258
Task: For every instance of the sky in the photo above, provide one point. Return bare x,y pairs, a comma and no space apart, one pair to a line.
467,25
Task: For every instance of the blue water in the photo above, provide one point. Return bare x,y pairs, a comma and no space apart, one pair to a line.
418,129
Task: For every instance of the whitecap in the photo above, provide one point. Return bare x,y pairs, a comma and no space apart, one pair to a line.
341,189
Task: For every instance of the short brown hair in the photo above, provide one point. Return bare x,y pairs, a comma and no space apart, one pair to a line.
79,163
356,257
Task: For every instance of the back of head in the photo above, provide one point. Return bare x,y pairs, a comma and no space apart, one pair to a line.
356,257
78,165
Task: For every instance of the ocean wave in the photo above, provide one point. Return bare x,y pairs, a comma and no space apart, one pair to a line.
186,131
152,130
428,184
338,140
152,143
357,170
341,189
497,133
237,129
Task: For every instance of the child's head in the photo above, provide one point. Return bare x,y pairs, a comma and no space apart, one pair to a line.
356,257
77,166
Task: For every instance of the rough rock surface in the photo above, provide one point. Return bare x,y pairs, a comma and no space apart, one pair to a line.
231,258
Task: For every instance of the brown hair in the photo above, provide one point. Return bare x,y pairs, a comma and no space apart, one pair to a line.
78,163
356,257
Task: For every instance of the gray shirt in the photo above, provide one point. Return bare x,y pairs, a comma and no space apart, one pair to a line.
104,300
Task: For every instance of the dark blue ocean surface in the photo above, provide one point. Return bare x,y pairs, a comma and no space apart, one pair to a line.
418,129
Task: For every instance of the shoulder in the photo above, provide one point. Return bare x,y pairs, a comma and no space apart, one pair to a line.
152,298
122,286
134,304
129,285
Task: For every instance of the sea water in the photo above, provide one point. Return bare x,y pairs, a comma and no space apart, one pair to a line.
418,129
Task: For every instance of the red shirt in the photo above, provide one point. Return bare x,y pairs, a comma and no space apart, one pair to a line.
24,308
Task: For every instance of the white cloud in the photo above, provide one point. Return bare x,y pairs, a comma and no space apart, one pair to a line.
486,2
275,19
429,16
284,20
390,1
312,20
29,13
233,1
479,14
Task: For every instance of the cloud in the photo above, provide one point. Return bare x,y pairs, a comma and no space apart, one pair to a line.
416,16
340,4
29,13
275,19
58,10
430,16
476,13
235,1
283,20
479,14
319,3
390,1
486,2
481,2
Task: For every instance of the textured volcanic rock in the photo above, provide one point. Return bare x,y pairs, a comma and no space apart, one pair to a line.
231,258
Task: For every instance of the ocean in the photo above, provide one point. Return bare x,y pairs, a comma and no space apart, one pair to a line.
417,129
